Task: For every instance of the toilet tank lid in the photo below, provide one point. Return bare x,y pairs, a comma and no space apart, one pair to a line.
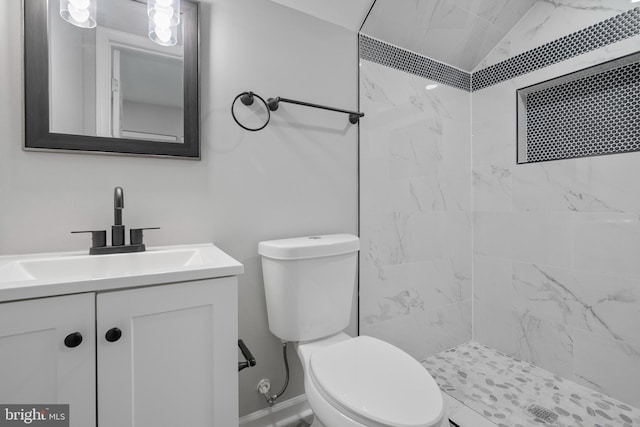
309,247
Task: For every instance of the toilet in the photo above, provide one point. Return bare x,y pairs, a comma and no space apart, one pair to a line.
349,382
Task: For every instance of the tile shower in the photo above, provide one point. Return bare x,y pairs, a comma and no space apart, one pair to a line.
536,261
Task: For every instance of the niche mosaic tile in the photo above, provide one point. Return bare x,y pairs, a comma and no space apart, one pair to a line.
392,56
609,31
590,112
512,393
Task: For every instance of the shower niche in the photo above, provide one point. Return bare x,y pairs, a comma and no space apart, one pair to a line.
590,112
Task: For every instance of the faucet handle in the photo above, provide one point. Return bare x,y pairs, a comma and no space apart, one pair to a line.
98,237
135,234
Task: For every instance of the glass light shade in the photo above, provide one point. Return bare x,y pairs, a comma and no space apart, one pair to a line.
164,36
164,18
165,13
81,13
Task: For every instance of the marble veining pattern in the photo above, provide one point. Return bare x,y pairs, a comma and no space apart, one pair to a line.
556,271
555,245
595,27
502,388
415,224
549,20
459,33
596,36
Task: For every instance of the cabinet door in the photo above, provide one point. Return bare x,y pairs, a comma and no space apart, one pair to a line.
36,367
176,361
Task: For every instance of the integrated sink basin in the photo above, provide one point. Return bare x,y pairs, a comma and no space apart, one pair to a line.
32,276
98,267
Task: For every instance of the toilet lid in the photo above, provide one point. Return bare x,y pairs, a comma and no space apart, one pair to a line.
376,383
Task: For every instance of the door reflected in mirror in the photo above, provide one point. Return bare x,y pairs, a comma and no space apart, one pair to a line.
148,100
135,84
111,88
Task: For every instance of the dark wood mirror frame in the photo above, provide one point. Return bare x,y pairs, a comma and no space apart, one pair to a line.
36,83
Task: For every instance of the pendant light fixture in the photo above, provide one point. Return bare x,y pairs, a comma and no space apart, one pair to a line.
164,18
81,13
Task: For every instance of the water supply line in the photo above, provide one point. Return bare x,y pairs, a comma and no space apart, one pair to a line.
271,400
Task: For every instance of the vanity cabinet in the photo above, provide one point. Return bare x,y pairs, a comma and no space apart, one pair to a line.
35,365
176,363
163,355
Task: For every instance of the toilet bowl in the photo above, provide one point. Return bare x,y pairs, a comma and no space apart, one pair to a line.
366,382
350,382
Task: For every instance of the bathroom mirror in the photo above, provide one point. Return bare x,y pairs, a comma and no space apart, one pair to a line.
110,89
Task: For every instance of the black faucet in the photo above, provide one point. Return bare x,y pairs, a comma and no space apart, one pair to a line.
117,229
99,237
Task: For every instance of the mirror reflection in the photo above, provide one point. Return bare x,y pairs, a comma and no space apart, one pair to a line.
113,80
112,76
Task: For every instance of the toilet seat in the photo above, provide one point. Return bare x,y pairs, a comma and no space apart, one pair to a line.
376,384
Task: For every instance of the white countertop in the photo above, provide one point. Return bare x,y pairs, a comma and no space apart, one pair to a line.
50,274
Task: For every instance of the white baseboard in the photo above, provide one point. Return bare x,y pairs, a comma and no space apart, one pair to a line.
279,415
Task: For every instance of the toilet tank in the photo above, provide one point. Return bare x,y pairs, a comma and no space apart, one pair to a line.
309,284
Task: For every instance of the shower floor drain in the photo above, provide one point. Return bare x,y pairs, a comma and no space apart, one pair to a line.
541,413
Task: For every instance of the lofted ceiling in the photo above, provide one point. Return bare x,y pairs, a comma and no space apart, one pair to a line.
462,33
459,33
348,14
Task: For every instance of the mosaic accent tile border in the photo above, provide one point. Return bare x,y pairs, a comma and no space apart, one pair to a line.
590,112
501,389
603,33
612,30
392,56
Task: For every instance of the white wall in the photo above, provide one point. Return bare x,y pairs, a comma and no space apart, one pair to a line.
152,118
67,68
296,177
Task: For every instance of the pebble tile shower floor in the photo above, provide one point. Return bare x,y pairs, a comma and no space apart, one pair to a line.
501,389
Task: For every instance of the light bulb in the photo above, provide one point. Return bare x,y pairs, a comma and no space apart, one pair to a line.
79,4
81,15
162,17
164,34
164,7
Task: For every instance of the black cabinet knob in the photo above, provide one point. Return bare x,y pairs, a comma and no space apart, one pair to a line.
73,340
113,334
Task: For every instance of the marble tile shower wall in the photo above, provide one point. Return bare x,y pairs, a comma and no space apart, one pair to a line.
556,273
415,225
548,21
